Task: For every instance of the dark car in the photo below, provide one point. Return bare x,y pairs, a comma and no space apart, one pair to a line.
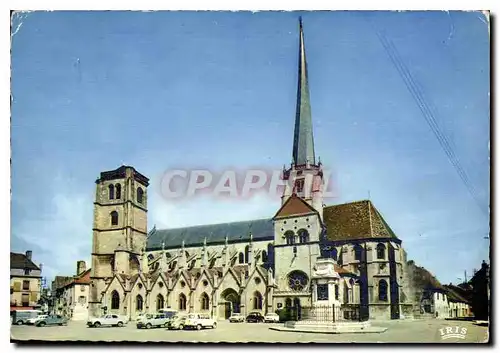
255,317
51,320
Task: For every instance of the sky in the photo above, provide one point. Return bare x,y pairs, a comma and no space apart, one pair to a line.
166,90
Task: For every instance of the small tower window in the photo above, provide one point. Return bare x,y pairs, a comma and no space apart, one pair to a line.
111,191
140,195
114,218
247,253
303,236
380,251
299,185
264,256
241,258
290,237
118,188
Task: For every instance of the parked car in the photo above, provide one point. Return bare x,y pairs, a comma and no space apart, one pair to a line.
155,320
255,317
177,322
32,321
50,320
236,317
199,321
272,317
20,317
107,320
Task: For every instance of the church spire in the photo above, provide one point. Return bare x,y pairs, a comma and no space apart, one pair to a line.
303,142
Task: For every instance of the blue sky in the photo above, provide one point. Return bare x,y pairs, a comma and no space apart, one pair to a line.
162,90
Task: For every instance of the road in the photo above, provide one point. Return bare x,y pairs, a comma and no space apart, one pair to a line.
417,331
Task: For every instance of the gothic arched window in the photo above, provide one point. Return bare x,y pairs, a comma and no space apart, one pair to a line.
247,253
333,253
380,251
160,302
140,195
290,237
358,250
264,256
303,236
257,301
114,218
118,188
111,191
138,303
205,302
297,281
182,302
382,290
115,300
241,258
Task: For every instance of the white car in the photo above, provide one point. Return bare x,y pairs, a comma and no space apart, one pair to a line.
107,320
236,317
33,320
199,321
272,317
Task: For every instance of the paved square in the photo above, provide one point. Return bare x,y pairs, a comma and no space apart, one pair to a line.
418,331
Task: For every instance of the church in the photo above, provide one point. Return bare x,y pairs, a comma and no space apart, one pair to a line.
262,265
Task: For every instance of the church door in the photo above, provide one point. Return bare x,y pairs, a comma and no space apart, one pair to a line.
297,308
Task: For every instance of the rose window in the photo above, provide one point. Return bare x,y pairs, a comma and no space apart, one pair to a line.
297,281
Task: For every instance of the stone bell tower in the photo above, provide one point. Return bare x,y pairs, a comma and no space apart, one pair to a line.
119,228
304,177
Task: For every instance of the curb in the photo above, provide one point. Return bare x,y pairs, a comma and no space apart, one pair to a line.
331,332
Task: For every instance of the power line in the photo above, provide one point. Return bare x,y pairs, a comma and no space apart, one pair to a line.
428,115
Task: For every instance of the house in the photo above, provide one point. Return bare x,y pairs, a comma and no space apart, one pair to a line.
25,281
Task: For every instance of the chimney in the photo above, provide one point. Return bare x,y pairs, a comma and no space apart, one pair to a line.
28,254
81,267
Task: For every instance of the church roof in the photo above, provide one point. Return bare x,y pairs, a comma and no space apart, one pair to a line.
355,220
294,206
261,229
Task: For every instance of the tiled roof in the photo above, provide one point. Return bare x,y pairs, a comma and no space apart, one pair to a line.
61,281
20,261
454,294
423,279
83,278
261,229
294,206
355,220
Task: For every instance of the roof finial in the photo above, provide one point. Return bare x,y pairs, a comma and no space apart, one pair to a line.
163,245
226,240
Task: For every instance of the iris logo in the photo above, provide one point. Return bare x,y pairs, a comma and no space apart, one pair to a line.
453,332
